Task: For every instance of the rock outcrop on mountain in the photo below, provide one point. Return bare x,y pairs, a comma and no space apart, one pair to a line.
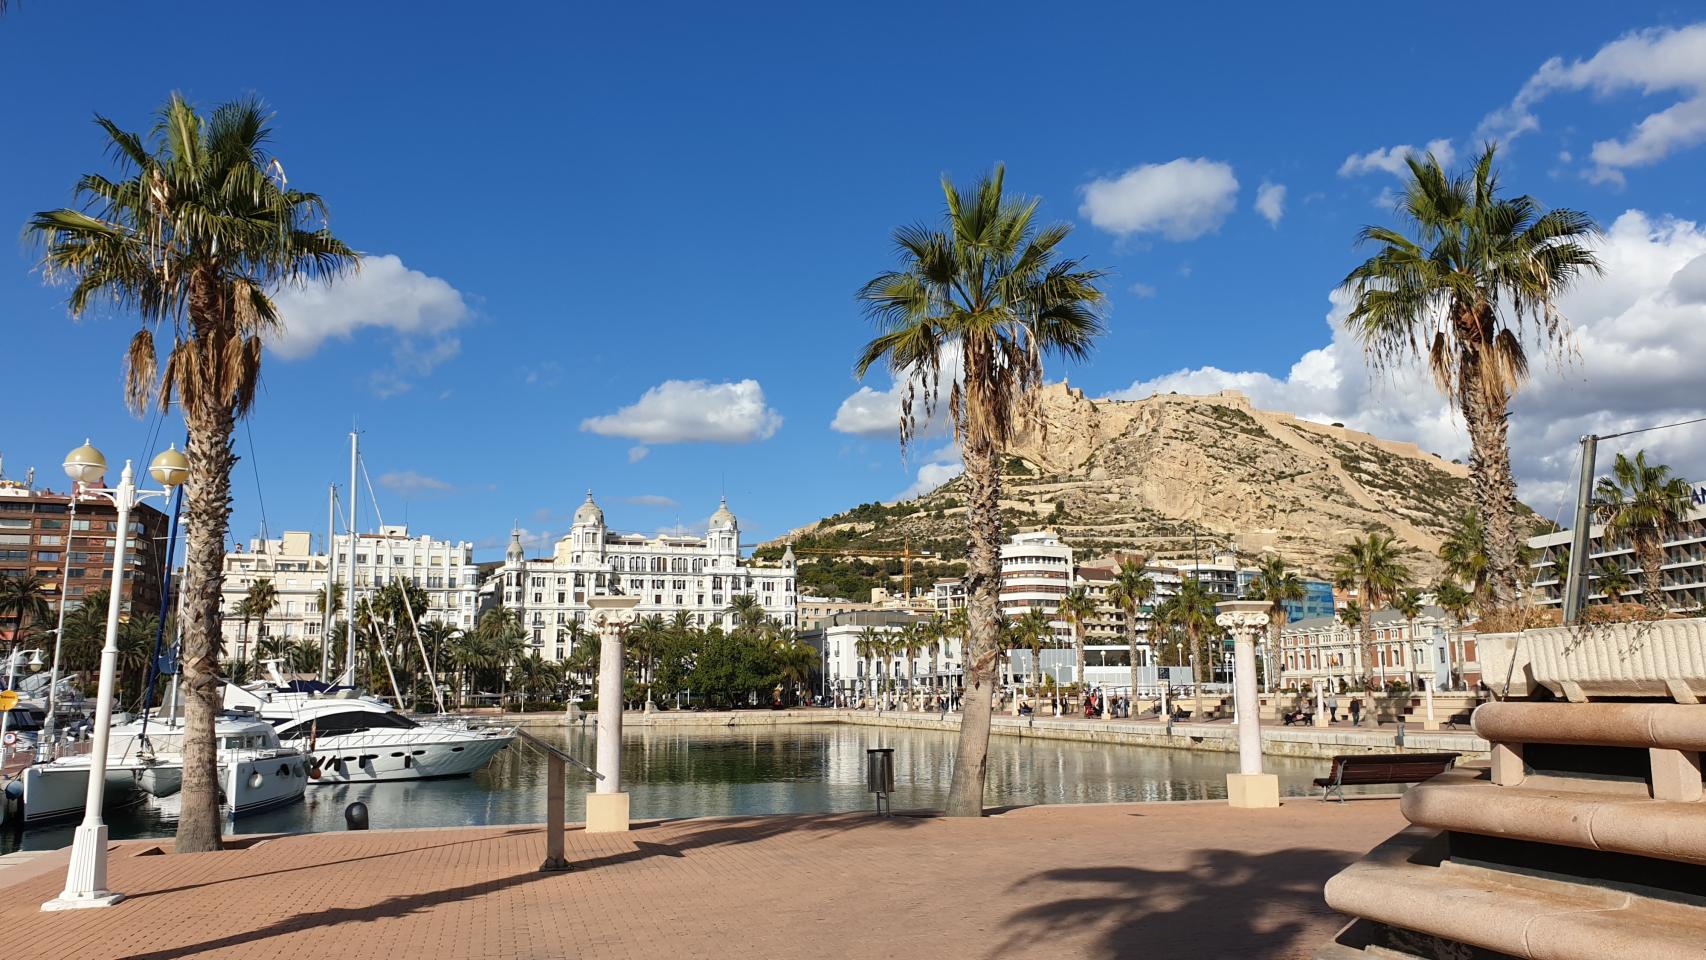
1175,476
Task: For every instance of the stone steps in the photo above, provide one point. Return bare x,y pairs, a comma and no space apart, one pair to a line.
1409,893
1603,815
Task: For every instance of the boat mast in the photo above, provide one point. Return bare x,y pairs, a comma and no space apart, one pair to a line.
327,617
349,617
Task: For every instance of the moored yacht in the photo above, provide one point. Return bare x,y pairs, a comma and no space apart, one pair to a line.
256,771
350,738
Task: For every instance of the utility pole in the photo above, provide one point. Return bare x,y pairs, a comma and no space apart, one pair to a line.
1575,586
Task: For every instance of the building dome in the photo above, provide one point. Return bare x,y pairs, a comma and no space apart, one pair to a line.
589,512
723,517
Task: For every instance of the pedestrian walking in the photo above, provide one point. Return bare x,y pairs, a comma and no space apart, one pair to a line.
1356,711
1333,708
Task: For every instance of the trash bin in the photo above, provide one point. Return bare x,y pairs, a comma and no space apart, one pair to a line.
879,776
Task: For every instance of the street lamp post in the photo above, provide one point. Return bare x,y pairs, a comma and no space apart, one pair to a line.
86,878
12,684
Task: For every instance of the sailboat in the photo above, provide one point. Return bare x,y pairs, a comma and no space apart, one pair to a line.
352,737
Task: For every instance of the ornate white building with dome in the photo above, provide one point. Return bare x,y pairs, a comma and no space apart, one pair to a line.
699,576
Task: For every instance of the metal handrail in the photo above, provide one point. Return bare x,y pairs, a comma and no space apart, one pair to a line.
556,753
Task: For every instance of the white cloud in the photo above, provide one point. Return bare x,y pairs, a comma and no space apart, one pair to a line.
535,542
876,413
682,411
1270,201
1639,333
638,453
1143,290
651,500
1650,61
1391,159
421,314
411,485
931,476
1387,199
1181,199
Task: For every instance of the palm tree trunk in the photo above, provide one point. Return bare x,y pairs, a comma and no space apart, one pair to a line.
1131,639
1487,419
207,514
983,578
1365,632
1647,550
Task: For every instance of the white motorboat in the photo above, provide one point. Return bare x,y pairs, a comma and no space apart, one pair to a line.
256,771
349,738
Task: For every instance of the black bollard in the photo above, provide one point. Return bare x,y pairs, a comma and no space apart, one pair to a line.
355,816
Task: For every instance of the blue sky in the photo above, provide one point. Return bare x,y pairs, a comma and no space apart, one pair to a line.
568,207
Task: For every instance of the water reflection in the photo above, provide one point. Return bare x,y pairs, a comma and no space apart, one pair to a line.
748,770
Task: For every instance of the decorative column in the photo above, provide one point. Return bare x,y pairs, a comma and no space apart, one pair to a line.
1428,691
1249,787
607,806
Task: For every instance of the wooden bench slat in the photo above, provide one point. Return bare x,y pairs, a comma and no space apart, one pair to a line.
1365,769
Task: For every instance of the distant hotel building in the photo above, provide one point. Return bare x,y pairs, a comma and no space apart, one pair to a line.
699,576
1683,573
445,570
39,534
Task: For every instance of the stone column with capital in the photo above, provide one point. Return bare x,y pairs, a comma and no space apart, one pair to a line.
1249,787
607,806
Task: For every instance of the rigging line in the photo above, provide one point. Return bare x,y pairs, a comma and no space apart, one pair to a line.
408,605
1662,426
255,465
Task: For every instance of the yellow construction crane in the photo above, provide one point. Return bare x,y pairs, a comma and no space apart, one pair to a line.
905,553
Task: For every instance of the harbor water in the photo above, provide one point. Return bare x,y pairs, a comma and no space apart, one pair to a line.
802,768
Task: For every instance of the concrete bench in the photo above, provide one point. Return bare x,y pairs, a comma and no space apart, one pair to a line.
1372,768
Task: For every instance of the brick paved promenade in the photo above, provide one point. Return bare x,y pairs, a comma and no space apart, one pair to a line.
1151,881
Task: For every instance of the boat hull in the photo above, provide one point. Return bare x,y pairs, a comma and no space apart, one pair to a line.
378,760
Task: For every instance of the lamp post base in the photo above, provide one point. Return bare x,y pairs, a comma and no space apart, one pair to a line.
86,880
1252,790
607,813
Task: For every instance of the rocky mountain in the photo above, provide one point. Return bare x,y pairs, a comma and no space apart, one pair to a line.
1176,476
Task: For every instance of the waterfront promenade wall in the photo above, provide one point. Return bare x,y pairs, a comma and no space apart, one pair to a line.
1279,741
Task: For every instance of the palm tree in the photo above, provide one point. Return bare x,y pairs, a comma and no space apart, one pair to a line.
1644,502
1374,567
1559,567
23,601
1191,611
989,287
1077,608
258,602
1035,630
1482,274
868,647
1409,605
1614,581
1455,601
796,660
1464,551
1278,586
747,612
194,235
1131,591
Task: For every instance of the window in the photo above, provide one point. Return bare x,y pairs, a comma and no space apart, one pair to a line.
47,556
538,598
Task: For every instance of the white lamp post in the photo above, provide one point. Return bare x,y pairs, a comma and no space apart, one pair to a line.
1249,787
86,879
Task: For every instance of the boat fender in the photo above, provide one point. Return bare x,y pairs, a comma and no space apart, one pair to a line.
10,738
408,762
15,790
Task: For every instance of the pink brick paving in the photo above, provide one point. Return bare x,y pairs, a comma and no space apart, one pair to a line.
1151,881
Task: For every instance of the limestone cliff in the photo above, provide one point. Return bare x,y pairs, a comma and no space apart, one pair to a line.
1150,475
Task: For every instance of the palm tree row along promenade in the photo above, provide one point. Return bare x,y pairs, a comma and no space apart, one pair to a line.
199,224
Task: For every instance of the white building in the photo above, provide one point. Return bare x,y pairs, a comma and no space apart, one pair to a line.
938,667
1683,573
1036,571
445,570
699,576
